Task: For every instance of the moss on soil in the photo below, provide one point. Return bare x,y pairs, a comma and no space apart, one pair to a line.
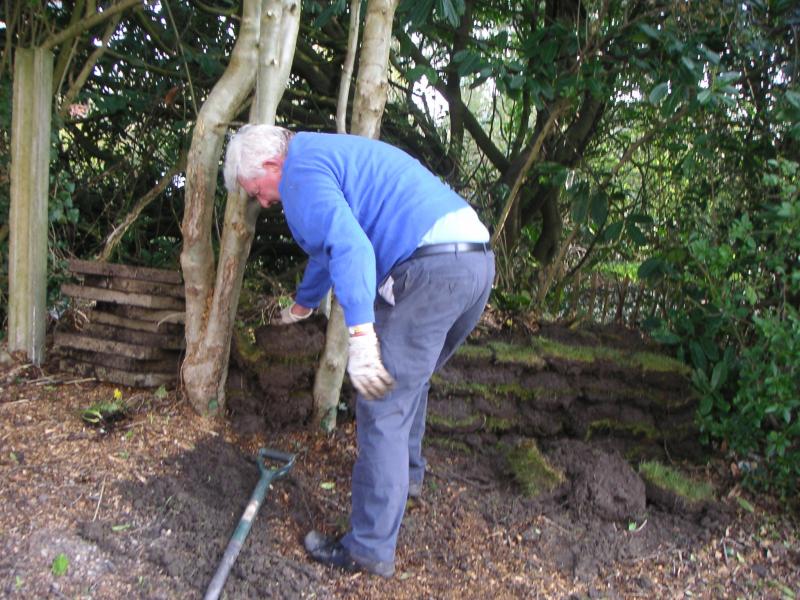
633,429
448,444
647,361
531,470
470,421
672,479
540,347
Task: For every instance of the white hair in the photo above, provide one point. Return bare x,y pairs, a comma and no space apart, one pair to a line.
249,148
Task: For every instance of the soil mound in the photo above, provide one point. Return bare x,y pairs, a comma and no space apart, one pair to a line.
184,521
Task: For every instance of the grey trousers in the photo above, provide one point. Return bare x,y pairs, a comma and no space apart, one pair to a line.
437,302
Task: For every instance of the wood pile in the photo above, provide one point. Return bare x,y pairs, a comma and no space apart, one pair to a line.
134,335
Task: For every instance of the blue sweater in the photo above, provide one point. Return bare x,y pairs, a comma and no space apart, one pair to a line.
357,207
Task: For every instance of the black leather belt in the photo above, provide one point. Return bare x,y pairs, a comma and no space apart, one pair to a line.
454,248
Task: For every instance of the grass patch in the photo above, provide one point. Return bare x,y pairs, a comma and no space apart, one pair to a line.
467,422
540,347
449,444
531,470
671,479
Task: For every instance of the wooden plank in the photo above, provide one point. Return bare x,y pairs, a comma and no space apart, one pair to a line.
116,375
129,336
145,314
82,342
32,101
101,295
134,285
123,363
92,267
109,318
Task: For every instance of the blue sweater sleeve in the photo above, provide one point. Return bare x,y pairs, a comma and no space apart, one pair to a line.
323,224
315,284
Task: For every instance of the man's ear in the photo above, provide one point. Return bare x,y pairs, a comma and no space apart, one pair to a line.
272,163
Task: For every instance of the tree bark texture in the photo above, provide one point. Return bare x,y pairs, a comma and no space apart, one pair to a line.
330,372
372,84
368,105
263,52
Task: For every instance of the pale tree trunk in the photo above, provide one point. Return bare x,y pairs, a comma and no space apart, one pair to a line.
370,99
330,373
212,295
372,85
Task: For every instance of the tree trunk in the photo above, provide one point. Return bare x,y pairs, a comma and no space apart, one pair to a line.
332,364
372,85
30,168
368,104
212,299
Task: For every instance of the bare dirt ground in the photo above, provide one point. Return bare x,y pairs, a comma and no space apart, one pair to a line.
144,509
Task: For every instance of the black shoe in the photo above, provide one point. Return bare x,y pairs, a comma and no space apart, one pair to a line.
332,553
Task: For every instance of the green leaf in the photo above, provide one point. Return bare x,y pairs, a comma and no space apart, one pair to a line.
745,504
658,93
60,565
704,408
118,528
793,98
688,63
416,73
160,393
580,208
728,77
612,231
712,56
651,268
327,485
649,31
641,218
719,375
450,11
598,208
635,234
467,62
704,97
698,356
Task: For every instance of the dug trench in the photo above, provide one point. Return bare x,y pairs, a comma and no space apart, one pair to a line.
534,447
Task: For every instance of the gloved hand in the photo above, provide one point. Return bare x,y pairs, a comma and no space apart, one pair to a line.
288,317
364,365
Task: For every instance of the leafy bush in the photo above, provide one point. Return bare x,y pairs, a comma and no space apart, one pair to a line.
739,328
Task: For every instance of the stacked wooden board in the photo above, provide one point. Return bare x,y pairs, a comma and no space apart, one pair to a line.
134,334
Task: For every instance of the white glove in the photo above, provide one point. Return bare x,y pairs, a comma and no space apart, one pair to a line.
288,317
364,365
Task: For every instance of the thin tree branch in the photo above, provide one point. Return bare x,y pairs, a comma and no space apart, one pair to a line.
558,110
87,69
78,28
347,68
114,238
183,56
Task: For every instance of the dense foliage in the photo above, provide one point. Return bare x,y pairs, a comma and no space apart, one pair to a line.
672,144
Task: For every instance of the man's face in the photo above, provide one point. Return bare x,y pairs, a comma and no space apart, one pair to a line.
264,187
